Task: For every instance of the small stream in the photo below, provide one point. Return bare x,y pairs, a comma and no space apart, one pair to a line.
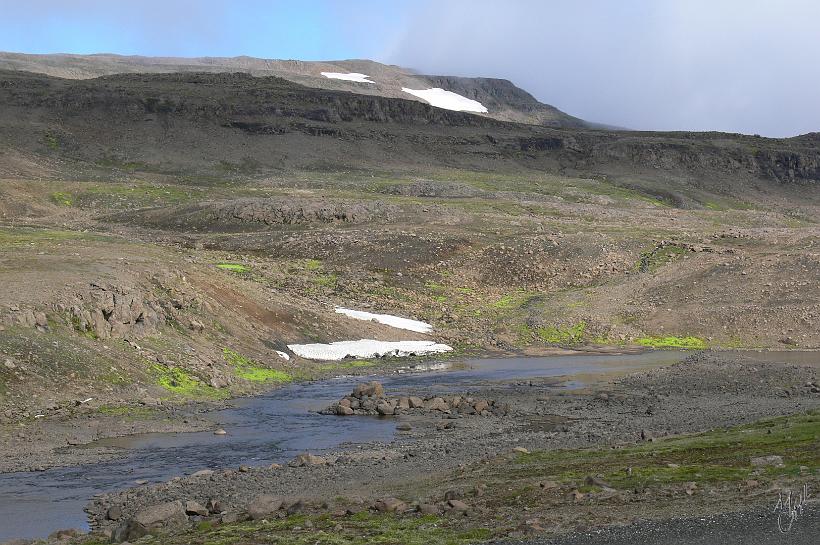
270,428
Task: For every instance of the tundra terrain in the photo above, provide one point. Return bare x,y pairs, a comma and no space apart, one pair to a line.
165,236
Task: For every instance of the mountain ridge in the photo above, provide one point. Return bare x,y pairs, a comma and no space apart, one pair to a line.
504,100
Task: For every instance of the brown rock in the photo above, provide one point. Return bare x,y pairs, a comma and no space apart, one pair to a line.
428,509
458,506
341,410
306,459
415,402
390,505
436,404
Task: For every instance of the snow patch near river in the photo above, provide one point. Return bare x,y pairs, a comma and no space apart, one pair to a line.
447,99
387,319
351,76
366,349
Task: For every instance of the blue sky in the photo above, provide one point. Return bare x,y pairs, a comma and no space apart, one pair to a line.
732,65
306,29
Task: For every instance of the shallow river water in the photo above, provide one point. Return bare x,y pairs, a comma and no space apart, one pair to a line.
265,429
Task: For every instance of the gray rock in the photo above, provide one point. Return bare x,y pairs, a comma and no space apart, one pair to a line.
766,461
263,506
130,530
195,508
416,402
385,409
114,513
306,459
163,514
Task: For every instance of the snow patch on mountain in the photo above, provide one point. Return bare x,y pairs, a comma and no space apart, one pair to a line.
387,319
351,76
447,99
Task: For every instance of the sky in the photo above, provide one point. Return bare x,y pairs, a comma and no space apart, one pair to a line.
748,66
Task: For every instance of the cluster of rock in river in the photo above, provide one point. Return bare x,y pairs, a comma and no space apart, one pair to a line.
369,399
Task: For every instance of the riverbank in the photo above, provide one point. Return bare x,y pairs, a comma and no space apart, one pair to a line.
630,455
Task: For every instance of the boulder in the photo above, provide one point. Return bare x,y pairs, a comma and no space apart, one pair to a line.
390,505
481,405
195,508
428,509
114,513
163,514
416,402
342,410
458,506
263,506
373,389
130,530
436,404
404,403
306,459
385,409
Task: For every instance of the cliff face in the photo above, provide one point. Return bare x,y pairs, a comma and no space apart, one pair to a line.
185,120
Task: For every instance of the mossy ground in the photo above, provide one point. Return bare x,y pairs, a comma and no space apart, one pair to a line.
709,458
183,384
250,370
233,267
363,528
694,343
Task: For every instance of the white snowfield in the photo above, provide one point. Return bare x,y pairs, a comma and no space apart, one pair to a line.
366,348
387,319
447,99
351,76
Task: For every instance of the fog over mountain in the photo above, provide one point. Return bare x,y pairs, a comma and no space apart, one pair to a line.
738,65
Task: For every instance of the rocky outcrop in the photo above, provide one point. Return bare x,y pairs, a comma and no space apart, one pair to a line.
369,399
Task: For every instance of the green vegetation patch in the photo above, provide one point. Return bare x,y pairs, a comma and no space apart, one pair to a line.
24,235
715,456
672,342
562,334
656,258
184,384
62,199
233,267
252,371
363,528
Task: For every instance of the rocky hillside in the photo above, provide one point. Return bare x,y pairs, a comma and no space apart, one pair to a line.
174,122
504,100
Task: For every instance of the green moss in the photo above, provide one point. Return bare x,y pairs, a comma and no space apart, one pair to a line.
62,199
672,342
562,335
363,528
51,141
233,267
652,260
313,264
252,371
715,456
182,383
